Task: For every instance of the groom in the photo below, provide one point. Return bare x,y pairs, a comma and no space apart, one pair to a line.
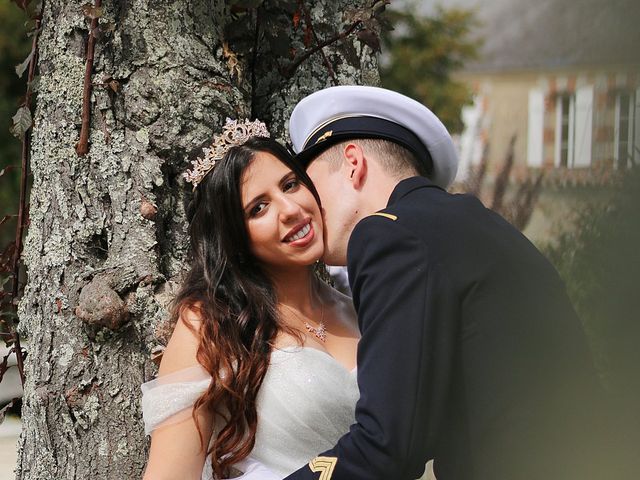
471,353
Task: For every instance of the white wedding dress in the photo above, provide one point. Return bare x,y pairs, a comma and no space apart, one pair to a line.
305,404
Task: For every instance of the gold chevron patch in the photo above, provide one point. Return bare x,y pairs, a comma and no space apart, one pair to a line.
323,465
387,215
324,136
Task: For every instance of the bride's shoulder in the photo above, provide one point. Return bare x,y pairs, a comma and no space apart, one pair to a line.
181,350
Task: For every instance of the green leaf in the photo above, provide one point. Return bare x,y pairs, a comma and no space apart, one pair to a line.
107,27
20,69
6,218
33,32
34,9
7,169
379,6
10,315
114,85
369,38
34,84
5,409
3,282
22,122
30,25
372,24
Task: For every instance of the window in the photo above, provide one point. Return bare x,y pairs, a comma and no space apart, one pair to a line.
565,116
624,132
574,127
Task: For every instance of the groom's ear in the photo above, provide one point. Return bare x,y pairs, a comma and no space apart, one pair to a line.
354,164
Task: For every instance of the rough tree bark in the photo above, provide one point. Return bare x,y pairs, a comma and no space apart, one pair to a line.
106,242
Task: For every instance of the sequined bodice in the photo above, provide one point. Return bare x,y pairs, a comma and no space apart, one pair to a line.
305,404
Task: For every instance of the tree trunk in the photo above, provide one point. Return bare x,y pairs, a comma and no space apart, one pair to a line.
107,236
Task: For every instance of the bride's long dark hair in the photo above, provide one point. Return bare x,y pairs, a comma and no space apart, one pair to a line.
235,299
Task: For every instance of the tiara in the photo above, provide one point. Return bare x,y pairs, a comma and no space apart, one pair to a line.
234,133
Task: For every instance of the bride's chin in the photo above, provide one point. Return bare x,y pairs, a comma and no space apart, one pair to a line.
315,260
319,252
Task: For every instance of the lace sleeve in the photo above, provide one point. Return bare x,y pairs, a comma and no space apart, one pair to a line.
169,399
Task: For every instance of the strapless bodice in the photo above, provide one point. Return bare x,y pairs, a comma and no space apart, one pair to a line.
305,404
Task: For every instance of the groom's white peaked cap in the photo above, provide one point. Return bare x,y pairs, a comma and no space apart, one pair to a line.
334,114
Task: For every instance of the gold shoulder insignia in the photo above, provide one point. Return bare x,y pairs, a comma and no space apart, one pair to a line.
324,465
386,215
324,136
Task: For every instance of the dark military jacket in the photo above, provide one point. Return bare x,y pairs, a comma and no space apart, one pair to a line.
471,353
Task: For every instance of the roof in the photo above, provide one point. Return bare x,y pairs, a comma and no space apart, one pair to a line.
554,34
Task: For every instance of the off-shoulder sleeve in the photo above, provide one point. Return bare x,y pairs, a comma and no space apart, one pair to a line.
170,398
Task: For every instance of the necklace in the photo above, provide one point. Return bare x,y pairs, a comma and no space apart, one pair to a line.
320,332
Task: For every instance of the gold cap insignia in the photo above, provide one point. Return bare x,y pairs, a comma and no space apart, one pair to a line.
324,465
386,215
324,136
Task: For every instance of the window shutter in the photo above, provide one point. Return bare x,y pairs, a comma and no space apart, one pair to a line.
636,142
535,137
583,126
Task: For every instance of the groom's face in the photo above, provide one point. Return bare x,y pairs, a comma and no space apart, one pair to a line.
338,206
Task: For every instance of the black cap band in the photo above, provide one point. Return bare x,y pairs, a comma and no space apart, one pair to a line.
364,127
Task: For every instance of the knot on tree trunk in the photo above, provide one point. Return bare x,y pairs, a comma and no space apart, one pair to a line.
100,305
147,209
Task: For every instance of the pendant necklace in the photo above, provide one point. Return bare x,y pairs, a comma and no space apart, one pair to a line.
320,332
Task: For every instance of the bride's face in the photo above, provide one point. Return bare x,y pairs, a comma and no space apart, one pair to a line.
282,216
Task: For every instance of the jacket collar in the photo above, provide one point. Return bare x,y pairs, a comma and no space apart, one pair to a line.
406,186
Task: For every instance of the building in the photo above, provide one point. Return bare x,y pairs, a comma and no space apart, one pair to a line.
563,79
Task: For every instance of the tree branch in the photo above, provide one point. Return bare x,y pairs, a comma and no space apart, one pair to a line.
502,179
307,19
288,70
82,147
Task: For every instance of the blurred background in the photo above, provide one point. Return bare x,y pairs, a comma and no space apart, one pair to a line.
543,99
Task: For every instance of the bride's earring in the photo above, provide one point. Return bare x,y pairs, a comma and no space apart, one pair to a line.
320,269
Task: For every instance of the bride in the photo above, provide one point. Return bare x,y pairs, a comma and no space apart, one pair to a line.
260,369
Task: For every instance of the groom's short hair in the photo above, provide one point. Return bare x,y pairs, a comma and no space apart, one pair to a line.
396,160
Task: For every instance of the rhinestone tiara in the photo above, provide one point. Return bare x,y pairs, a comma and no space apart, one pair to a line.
234,133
